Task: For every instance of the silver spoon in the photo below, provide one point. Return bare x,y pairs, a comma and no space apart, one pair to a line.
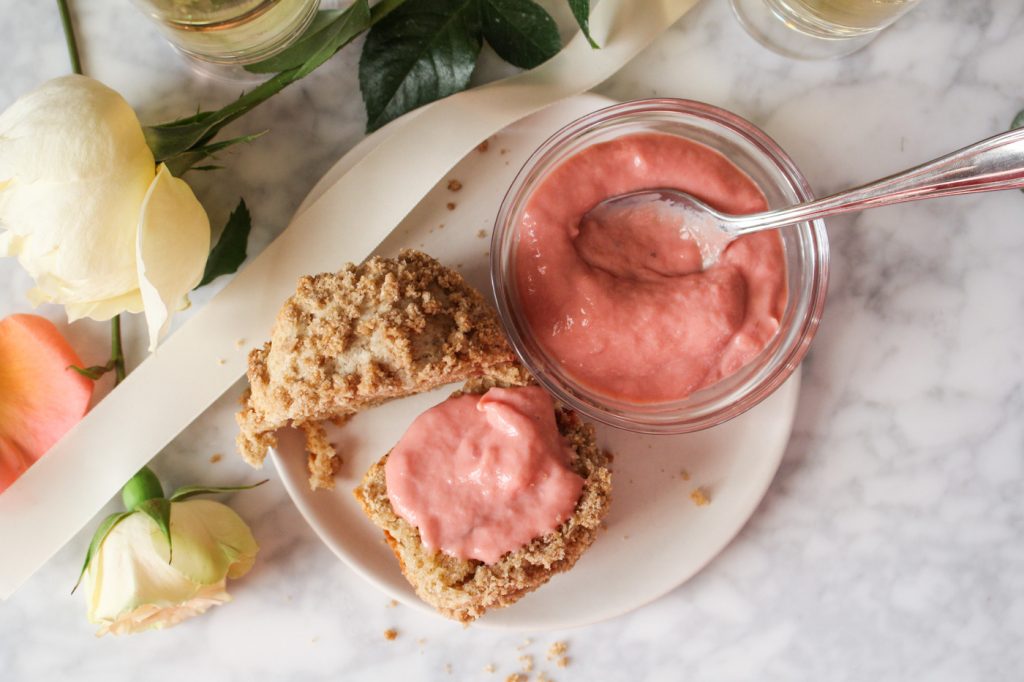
993,164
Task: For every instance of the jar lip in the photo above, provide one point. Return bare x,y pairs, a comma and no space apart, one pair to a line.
672,417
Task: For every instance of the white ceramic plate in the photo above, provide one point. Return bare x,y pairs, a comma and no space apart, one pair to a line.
656,536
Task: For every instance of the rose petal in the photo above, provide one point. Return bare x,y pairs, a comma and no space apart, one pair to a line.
151,616
210,541
103,310
128,572
172,247
74,168
40,398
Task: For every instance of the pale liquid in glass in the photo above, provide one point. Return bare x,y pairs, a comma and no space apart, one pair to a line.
851,14
231,31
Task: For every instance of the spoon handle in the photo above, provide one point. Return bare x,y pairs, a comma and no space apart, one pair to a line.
992,164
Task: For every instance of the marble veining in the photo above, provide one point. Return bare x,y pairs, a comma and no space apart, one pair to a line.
891,544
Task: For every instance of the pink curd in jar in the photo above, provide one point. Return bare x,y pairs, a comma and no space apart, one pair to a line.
480,476
624,306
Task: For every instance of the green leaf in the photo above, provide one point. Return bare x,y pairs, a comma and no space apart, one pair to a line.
106,525
143,486
581,10
186,160
303,48
382,9
520,31
159,509
94,373
171,139
230,250
193,490
422,51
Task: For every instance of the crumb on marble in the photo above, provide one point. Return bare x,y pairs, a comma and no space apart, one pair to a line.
526,642
239,343
557,649
490,668
454,185
393,603
391,634
700,497
216,457
221,361
516,677
448,668
527,662
542,677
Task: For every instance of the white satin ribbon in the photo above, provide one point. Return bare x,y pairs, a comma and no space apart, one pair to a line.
59,494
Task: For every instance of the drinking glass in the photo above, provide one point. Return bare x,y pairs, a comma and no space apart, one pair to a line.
232,32
817,29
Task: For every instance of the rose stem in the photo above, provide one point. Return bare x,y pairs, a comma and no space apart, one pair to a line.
69,36
116,354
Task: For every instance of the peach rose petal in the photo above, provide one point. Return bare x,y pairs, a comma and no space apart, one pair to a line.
171,249
40,398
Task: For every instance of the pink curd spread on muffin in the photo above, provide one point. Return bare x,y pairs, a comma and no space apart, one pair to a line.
481,476
624,305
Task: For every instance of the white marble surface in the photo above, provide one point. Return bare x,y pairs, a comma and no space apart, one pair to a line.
891,544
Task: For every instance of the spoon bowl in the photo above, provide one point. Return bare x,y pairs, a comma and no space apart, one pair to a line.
711,230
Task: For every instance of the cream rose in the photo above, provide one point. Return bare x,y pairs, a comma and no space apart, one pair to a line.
83,206
131,586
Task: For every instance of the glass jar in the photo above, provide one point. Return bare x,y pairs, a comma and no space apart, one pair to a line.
805,244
